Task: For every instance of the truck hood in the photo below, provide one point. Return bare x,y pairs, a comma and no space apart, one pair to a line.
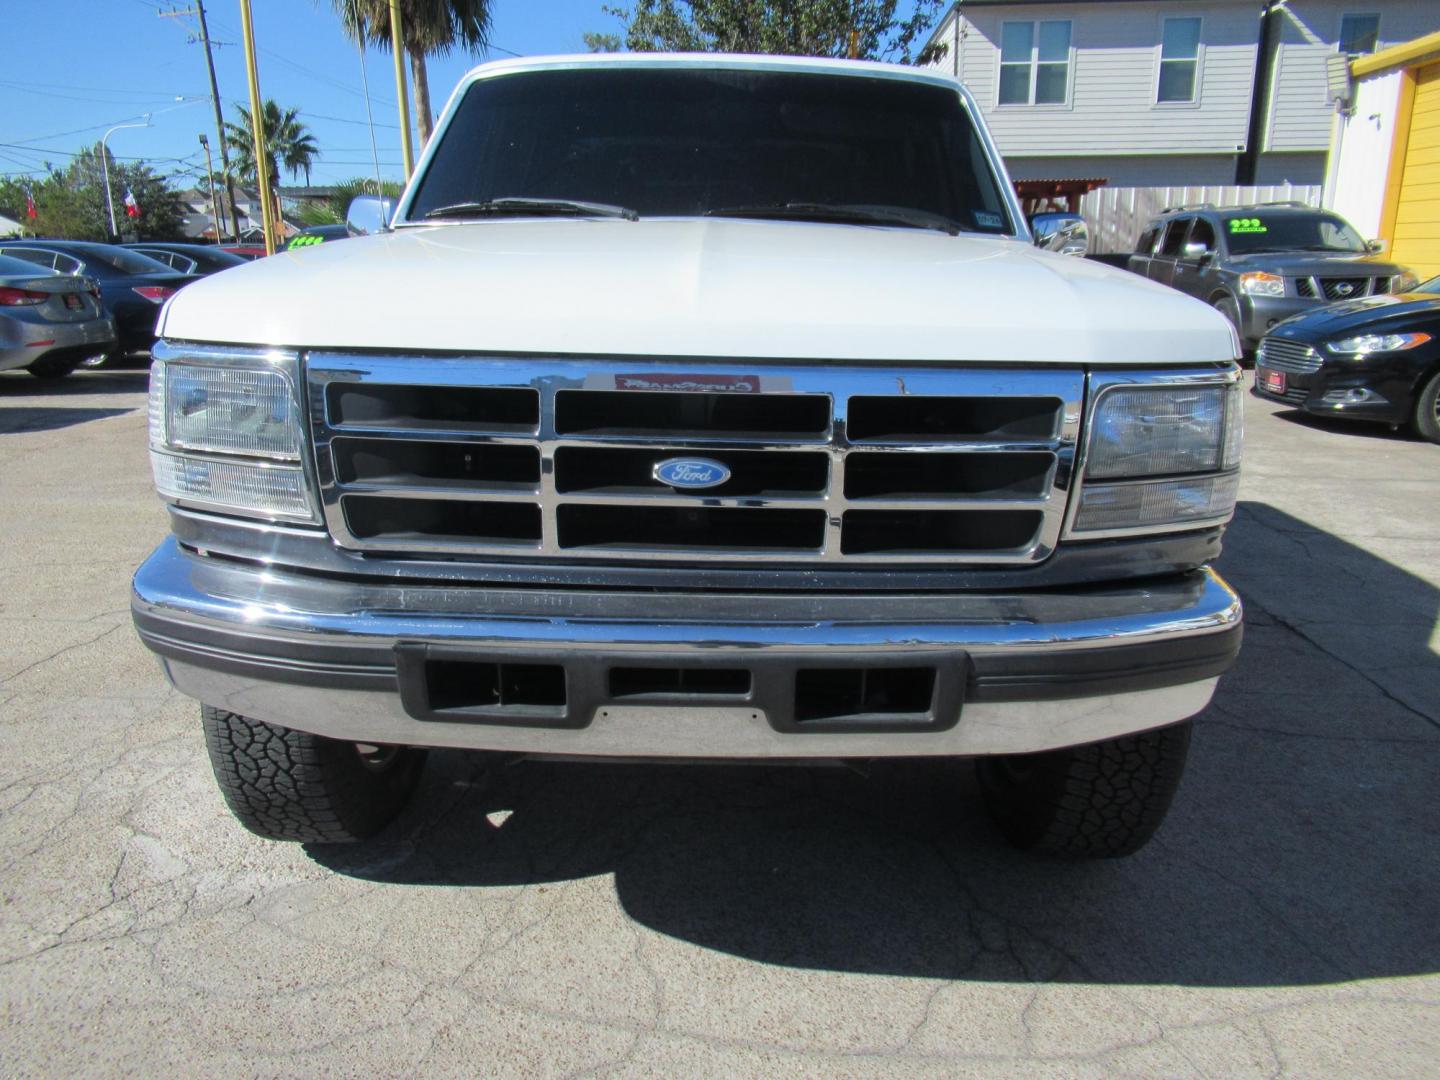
700,288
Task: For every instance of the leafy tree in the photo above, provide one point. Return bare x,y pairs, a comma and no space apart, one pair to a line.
288,142
70,202
432,27
871,29
331,211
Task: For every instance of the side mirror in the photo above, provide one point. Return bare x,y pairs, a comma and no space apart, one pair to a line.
369,214
1375,246
1063,233
1197,251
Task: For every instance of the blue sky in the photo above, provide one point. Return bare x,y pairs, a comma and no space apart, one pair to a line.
73,68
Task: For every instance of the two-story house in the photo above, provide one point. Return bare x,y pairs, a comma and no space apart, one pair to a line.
1164,92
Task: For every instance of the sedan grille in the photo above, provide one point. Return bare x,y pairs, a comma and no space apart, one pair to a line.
1281,354
494,458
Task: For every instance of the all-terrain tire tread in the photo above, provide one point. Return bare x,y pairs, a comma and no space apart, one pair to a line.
284,784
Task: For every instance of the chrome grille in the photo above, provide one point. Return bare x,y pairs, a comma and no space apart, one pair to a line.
556,459
1283,355
1339,288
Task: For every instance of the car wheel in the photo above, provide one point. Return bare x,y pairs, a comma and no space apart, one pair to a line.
290,785
1102,800
52,367
1427,410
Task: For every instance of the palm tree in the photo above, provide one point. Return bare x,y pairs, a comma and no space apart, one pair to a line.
287,142
431,26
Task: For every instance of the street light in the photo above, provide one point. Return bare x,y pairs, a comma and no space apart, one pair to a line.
105,165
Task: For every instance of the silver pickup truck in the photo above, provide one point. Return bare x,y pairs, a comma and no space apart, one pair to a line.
696,408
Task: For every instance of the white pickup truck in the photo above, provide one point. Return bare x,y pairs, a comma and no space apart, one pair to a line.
696,408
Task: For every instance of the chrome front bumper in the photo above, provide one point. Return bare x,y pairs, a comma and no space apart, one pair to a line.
1015,672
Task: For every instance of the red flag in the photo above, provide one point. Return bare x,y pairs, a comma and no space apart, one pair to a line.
30,211
132,207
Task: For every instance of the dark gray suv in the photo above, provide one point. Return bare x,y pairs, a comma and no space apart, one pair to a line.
1259,265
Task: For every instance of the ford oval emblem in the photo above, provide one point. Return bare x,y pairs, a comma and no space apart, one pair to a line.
691,473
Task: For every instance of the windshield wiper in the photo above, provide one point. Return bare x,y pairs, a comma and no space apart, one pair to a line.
525,206
866,215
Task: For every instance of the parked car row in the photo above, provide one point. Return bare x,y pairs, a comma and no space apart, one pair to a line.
1335,329
67,303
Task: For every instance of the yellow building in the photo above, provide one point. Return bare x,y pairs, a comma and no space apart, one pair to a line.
1384,170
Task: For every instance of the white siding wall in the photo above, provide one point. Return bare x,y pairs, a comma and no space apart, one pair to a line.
1357,192
1299,113
1116,49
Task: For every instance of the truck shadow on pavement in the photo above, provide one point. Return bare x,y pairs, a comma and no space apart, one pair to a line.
1301,849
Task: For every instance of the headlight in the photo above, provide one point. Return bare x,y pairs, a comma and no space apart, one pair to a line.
1259,283
1403,282
1167,454
226,432
1374,343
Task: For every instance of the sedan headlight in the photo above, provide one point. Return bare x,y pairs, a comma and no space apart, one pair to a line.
226,432
1376,343
1259,283
1166,455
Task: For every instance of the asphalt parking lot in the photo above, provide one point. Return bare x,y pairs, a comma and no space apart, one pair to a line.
556,919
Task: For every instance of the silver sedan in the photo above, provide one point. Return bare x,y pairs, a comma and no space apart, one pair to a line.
49,322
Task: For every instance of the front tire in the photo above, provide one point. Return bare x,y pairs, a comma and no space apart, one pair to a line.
1103,800
290,785
1427,410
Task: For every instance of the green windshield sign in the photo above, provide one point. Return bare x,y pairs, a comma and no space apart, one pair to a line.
305,241
1242,225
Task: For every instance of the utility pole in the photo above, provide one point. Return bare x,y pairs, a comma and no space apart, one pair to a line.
397,45
199,10
257,124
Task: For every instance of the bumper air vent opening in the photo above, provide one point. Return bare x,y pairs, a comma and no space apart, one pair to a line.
634,682
840,694
467,685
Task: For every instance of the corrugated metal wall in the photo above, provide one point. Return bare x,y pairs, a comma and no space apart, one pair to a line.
1116,215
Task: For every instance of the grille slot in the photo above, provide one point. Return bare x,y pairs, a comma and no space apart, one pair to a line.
1291,356
607,471
690,528
407,520
907,418
553,460
446,408
1305,287
899,532
874,475
601,413
425,463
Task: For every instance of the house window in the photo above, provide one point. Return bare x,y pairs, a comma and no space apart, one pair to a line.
1035,62
1179,60
1359,34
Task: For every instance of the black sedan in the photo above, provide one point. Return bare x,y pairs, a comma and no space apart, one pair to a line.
132,286
1377,358
196,260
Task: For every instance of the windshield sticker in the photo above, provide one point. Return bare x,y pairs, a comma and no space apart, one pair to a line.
986,220
1247,225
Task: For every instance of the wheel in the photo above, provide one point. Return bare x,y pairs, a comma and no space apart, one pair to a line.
1427,410
1231,310
289,785
52,367
1102,800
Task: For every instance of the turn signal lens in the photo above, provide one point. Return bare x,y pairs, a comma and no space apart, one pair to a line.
1376,343
272,491
1157,502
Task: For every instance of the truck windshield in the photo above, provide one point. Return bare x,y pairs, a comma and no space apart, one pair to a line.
1258,231
692,141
